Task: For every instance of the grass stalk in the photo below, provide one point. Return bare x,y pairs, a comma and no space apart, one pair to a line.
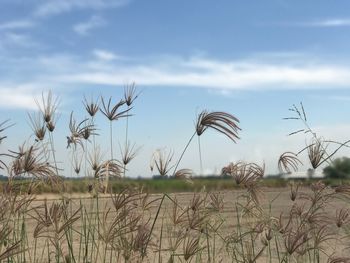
200,156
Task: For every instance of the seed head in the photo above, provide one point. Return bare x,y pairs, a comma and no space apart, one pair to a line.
222,122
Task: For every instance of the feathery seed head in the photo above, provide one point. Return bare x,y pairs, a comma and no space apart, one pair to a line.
112,112
130,94
91,106
222,122
288,161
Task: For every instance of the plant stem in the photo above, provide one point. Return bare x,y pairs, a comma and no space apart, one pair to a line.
111,138
200,156
127,126
53,151
164,195
183,152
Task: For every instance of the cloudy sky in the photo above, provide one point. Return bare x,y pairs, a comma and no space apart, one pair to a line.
254,59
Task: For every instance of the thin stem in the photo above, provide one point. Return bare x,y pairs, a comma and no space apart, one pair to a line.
53,151
127,126
200,155
153,224
111,137
93,134
86,158
183,152
164,195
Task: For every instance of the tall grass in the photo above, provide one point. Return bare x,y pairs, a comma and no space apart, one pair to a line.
118,220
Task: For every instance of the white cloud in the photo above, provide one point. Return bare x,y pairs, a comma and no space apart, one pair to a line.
17,97
84,27
17,24
104,68
55,7
105,55
10,40
217,74
334,22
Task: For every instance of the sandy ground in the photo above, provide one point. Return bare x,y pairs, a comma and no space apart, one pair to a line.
281,204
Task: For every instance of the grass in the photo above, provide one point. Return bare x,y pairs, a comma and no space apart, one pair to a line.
169,185
233,218
149,185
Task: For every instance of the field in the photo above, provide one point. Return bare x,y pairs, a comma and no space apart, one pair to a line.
225,226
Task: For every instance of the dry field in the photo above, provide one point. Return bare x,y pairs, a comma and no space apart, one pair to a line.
191,227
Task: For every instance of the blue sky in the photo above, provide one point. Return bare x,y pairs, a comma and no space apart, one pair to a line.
253,59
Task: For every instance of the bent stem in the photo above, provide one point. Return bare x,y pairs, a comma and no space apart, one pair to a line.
183,152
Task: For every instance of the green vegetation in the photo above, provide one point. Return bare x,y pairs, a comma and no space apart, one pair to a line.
339,169
149,185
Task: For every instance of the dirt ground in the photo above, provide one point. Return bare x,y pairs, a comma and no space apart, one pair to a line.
281,204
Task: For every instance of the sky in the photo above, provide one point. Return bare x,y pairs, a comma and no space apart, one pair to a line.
253,59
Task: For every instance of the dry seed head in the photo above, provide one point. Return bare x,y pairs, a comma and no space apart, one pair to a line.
91,106
112,112
89,130
108,169
300,113
216,202
52,221
141,238
184,174
196,221
191,247
38,126
318,187
51,125
316,151
3,126
177,217
196,202
342,189
79,131
222,122
281,227
176,237
95,159
128,153
294,240
48,106
123,199
293,191
30,161
288,161
244,173
162,159
342,217
130,93
76,162
298,210
315,218
322,235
